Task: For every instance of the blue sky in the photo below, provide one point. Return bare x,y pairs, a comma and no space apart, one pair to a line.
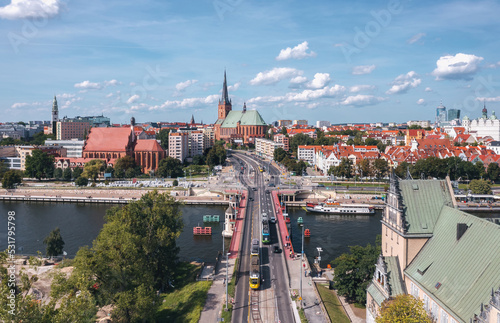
356,61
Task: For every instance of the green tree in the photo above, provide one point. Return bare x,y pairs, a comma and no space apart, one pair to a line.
344,169
216,155
481,172
403,308
67,174
493,171
381,167
402,169
123,164
11,178
480,186
58,173
81,181
54,243
93,168
279,154
110,170
39,138
365,168
199,160
299,139
163,137
3,168
170,167
134,255
284,130
39,165
77,172
175,183
130,173
354,271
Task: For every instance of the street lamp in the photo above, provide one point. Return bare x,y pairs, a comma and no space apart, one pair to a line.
301,261
227,282
319,256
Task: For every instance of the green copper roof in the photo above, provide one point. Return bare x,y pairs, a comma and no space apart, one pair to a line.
422,202
459,274
248,118
376,294
394,276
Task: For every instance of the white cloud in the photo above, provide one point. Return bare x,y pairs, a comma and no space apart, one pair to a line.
88,85
133,99
275,75
428,89
65,96
363,69
67,103
234,87
421,102
358,88
361,99
484,99
460,66
19,105
132,84
494,65
109,95
184,85
298,80
21,9
187,103
404,82
298,52
113,82
320,81
304,96
415,38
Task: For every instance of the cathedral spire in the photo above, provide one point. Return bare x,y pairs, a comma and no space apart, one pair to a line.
225,94
54,105
192,119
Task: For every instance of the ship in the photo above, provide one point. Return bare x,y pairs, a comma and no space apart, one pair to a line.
333,207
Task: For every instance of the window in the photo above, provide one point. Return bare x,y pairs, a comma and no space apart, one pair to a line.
426,302
435,310
444,317
498,318
397,239
386,247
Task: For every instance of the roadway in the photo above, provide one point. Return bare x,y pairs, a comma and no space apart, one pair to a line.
274,286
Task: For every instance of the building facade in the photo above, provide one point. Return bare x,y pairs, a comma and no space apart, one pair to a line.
484,126
178,145
266,148
282,139
74,147
67,130
55,115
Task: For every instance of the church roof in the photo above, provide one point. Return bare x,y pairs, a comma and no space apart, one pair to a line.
459,268
147,145
248,118
108,139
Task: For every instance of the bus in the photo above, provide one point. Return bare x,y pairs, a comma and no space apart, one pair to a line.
254,272
265,231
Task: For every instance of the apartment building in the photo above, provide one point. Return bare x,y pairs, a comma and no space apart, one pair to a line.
67,130
178,145
282,139
266,148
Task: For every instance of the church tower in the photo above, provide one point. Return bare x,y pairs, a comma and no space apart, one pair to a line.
55,116
225,104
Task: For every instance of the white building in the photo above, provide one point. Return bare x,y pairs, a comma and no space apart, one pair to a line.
196,143
421,123
484,126
178,145
300,122
321,124
74,147
307,154
266,148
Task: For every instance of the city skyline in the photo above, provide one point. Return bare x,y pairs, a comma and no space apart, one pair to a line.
157,61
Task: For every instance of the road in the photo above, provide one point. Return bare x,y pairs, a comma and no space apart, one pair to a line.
273,271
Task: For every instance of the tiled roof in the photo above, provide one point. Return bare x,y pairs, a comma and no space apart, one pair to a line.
459,274
422,202
248,118
148,145
108,139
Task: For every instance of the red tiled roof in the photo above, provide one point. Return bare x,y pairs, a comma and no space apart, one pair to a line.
148,145
108,139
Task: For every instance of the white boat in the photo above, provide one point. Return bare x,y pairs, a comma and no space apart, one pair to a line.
333,207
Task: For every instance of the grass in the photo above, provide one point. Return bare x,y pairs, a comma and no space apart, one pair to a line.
358,305
185,303
302,315
332,304
227,315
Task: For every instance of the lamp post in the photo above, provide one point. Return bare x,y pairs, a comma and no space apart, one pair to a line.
301,263
319,256
227,282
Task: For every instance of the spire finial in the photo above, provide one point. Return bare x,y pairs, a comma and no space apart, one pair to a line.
225,94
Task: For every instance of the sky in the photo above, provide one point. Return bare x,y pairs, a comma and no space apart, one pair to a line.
340,61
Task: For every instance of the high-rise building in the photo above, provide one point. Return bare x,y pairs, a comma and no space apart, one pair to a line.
441,114
300,122
66,130
55,115
178,145
321,124
453,114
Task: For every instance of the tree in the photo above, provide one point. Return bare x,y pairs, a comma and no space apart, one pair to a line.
284,130
77,172
175,183
163,137
81,181
381,167
11,178
110,170
39,165
170,167
123,164
134,255
3,168
93,168
216,155
480,186
403,309
354,271
199,160
299,139
402,170
344,169
365,168
67,174
58,173
493,171
54,243
279,154
130,173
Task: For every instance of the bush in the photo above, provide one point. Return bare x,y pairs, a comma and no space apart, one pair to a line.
81,181
175,183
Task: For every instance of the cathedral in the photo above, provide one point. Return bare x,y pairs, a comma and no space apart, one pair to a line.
241,127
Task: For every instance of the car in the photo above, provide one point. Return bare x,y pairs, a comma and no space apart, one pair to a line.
254,188
250,198
277,249
268,192
271,185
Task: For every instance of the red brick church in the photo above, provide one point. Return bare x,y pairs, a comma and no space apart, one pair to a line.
237,126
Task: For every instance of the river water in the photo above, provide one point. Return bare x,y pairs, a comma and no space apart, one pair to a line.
80,224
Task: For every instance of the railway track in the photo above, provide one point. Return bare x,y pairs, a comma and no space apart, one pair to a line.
254,306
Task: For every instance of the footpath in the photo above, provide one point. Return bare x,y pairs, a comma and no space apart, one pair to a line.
311,301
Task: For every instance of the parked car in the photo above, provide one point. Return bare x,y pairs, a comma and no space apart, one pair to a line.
277,249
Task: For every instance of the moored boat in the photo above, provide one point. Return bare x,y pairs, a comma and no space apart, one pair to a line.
333,207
